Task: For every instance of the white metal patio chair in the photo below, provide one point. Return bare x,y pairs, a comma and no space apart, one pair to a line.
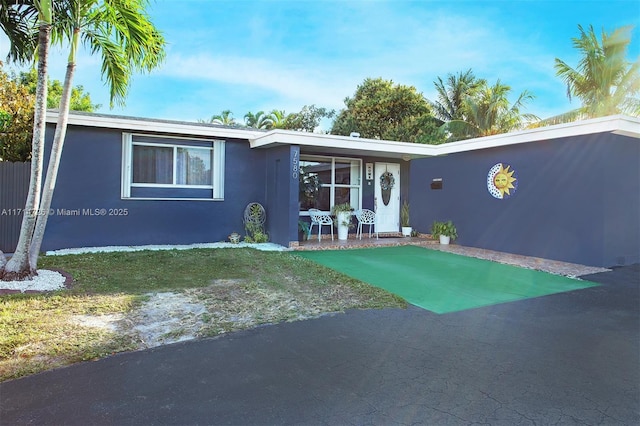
366,217
320,218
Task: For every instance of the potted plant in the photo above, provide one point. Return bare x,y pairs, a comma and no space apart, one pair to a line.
404,220
303,230
445,231
342,212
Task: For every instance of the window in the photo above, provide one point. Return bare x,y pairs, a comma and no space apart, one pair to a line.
326,181
171,165
160,167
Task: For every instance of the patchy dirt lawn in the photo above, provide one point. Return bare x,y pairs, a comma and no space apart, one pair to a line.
224,306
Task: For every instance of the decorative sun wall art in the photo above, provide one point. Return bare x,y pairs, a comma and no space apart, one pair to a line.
502,181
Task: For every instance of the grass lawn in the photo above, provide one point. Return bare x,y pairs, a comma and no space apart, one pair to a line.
240,288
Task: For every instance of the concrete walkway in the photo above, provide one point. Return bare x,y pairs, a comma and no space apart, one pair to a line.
569,358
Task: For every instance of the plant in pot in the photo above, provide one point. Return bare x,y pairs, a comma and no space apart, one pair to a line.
303,230
342,212
404,220
445,231
254,226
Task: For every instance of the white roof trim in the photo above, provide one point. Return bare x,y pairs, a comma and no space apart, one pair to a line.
628,126
151,125
346,145
623,125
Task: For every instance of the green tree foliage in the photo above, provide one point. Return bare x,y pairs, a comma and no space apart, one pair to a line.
308,119
16,119
17,98
380,109
80,101
17,23
488,111
225,118
259,120
604,80
450,104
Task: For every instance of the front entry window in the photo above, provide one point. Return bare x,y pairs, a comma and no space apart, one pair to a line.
326,181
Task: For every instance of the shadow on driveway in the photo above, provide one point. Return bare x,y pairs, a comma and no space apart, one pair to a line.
568,358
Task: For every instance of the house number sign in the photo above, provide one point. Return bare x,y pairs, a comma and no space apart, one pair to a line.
295,164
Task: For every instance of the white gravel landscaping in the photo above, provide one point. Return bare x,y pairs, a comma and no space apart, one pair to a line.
51,280
45,281
108,249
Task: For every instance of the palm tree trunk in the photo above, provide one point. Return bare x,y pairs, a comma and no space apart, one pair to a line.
56,153
19,267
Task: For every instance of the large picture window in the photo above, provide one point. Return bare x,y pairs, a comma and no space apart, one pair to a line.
327,181
160,167
172,165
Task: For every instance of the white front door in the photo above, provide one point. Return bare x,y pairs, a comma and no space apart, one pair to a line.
387,215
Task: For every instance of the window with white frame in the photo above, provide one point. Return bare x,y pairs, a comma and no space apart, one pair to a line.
327,181
167,167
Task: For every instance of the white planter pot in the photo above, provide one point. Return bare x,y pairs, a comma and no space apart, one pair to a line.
343,230
406,231
445,239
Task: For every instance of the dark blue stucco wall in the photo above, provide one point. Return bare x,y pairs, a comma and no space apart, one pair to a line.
89,178
577,199
282,194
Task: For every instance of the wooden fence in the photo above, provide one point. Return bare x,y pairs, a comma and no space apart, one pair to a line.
14,186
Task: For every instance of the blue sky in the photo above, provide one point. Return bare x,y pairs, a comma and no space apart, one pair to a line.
264,55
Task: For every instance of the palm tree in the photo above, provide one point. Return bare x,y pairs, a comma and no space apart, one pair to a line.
604,80
19,266
225,118
451,96
489,112
277,119
121,32
259,120
16,21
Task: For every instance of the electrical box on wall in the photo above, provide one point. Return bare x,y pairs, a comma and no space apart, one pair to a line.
436,183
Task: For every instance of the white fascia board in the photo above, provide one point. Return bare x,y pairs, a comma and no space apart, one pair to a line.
628,126
333,142
149,125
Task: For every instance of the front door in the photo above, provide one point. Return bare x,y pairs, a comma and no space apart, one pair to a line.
387,197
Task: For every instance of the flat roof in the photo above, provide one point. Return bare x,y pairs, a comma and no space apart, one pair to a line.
349,146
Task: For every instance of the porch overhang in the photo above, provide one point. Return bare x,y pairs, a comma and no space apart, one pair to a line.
343,145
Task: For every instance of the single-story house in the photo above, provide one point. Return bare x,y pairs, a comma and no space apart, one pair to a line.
568,192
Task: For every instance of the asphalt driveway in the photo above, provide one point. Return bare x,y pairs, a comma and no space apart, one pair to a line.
567,358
